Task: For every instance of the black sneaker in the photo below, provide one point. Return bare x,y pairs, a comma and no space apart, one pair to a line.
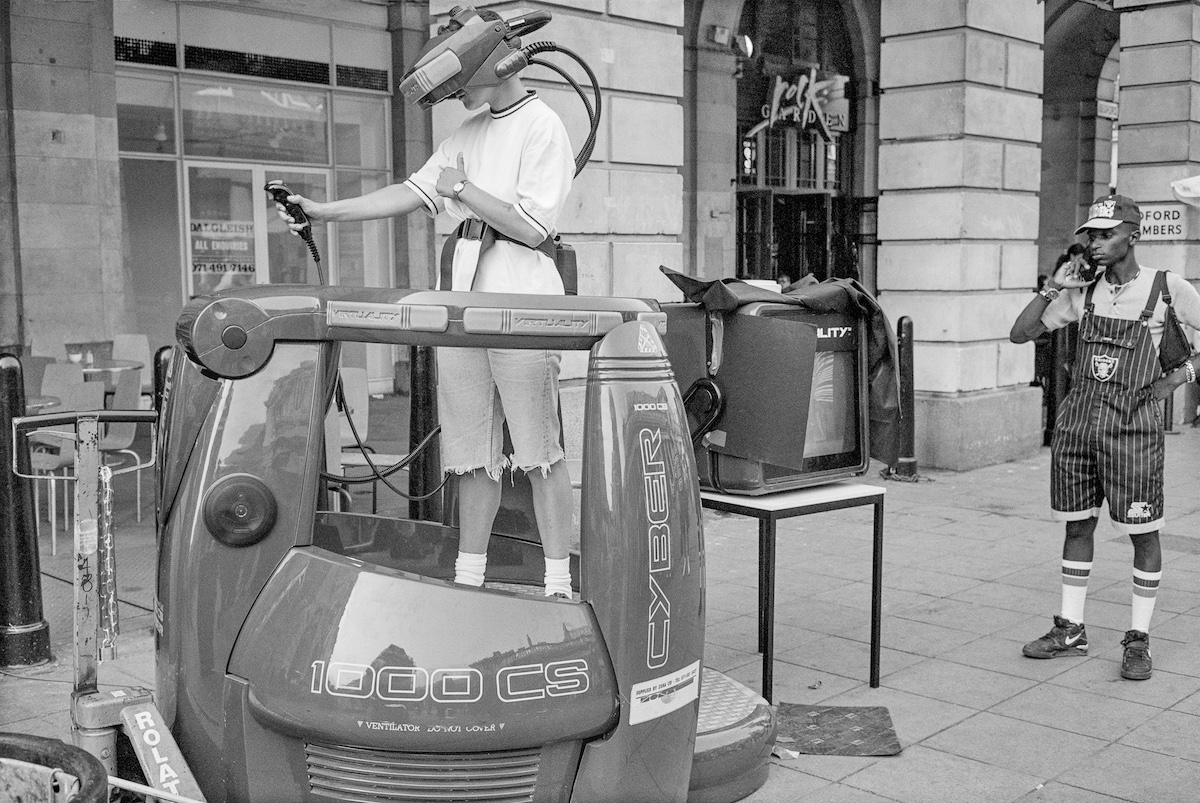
1135,663
1065,638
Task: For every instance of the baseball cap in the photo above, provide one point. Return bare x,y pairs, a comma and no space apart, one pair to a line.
1110,211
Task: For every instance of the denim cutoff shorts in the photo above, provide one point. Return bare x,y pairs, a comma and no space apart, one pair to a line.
479,389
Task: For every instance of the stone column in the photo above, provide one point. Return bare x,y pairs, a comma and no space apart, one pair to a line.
64,155
959,162
1160,121
1159,127
12,315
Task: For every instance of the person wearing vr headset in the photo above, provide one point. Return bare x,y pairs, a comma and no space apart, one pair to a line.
504,175
1108,438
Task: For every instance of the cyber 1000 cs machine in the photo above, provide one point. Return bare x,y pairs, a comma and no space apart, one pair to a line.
311,654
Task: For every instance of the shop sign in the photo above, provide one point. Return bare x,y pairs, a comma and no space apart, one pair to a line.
808,103
222,246
1165,222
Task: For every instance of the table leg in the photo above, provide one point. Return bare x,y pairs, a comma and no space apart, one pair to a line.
876,593
766,612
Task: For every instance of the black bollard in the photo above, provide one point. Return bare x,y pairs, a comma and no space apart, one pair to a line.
162,373
24,632
425,472
906,463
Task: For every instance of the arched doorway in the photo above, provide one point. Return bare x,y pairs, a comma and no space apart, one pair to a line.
1079,115
781,150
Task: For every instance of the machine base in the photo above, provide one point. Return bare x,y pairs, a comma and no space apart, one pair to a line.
734,737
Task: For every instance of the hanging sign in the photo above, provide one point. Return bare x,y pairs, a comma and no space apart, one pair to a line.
808,103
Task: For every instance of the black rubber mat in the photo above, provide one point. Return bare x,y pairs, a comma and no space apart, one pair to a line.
825,730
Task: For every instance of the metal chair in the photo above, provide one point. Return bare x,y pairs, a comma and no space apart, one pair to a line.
117,439
136,347
52,450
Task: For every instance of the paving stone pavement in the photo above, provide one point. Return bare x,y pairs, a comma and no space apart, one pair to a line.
971,573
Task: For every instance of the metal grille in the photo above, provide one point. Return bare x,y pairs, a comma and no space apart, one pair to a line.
254,64
359,775
362,78
144,51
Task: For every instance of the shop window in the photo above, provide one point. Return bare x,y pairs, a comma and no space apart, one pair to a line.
260,123
363,246
776,147
360,135
146,115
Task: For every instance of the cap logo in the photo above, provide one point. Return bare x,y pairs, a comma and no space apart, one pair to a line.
1103,209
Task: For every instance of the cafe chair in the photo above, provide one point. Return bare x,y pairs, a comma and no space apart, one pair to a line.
60,378
136,347
33,369
116,442
52,451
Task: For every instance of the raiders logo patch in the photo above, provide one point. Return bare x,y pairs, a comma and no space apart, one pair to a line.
1103,367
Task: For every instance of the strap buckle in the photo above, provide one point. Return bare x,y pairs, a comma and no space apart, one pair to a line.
472,229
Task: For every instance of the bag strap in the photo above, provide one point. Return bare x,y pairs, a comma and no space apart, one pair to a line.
487,235
1159,289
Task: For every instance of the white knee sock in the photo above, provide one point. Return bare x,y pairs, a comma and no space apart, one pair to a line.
1075,575
469,568
1145,593
558,576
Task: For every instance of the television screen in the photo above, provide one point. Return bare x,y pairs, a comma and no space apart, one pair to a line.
833,421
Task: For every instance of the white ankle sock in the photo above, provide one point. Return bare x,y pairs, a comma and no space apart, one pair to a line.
558,576
1075,574
469,568
1145,593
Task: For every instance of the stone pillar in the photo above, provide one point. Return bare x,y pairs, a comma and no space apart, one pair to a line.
408,23
959,164
710,157
1160,136
12,316
1160,122
67,177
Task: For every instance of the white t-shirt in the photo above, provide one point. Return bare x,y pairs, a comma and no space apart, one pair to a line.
1126,302
520,155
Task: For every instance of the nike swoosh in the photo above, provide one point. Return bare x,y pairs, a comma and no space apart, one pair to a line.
1070,641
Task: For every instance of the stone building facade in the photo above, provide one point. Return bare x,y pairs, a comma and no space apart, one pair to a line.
940,152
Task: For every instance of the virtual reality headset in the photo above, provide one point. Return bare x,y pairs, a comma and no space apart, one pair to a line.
476,48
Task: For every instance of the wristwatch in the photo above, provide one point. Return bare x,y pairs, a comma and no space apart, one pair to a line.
458,187
1049,293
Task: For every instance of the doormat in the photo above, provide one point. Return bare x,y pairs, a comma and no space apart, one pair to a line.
826,730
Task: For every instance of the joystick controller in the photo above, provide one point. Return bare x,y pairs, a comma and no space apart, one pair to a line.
279,193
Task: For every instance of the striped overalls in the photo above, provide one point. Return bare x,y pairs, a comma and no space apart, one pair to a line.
1108,438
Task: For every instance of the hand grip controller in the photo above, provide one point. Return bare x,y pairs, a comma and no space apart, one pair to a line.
279,194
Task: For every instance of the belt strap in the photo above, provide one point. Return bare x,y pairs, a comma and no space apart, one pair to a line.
476,229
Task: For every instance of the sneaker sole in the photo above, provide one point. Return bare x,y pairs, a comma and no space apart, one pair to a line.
1071,651
1137,676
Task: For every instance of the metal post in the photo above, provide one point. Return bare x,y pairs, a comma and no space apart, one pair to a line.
906,463
425,472
24,632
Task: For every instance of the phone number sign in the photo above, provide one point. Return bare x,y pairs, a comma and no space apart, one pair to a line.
1166,222
222,246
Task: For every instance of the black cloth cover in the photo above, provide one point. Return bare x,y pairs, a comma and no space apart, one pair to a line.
832,295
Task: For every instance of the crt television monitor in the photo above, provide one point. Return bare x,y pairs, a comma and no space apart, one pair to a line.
832,415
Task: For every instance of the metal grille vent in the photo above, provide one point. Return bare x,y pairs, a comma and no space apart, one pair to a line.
376,776
144,51
254,64
362,78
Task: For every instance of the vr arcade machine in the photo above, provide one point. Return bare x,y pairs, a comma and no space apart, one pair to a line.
311,654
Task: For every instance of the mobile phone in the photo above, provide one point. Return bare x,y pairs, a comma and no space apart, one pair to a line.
1088,270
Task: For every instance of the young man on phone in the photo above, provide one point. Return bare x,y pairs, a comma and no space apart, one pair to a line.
1108,438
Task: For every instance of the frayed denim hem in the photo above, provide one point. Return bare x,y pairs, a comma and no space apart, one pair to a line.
493,473
543,467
